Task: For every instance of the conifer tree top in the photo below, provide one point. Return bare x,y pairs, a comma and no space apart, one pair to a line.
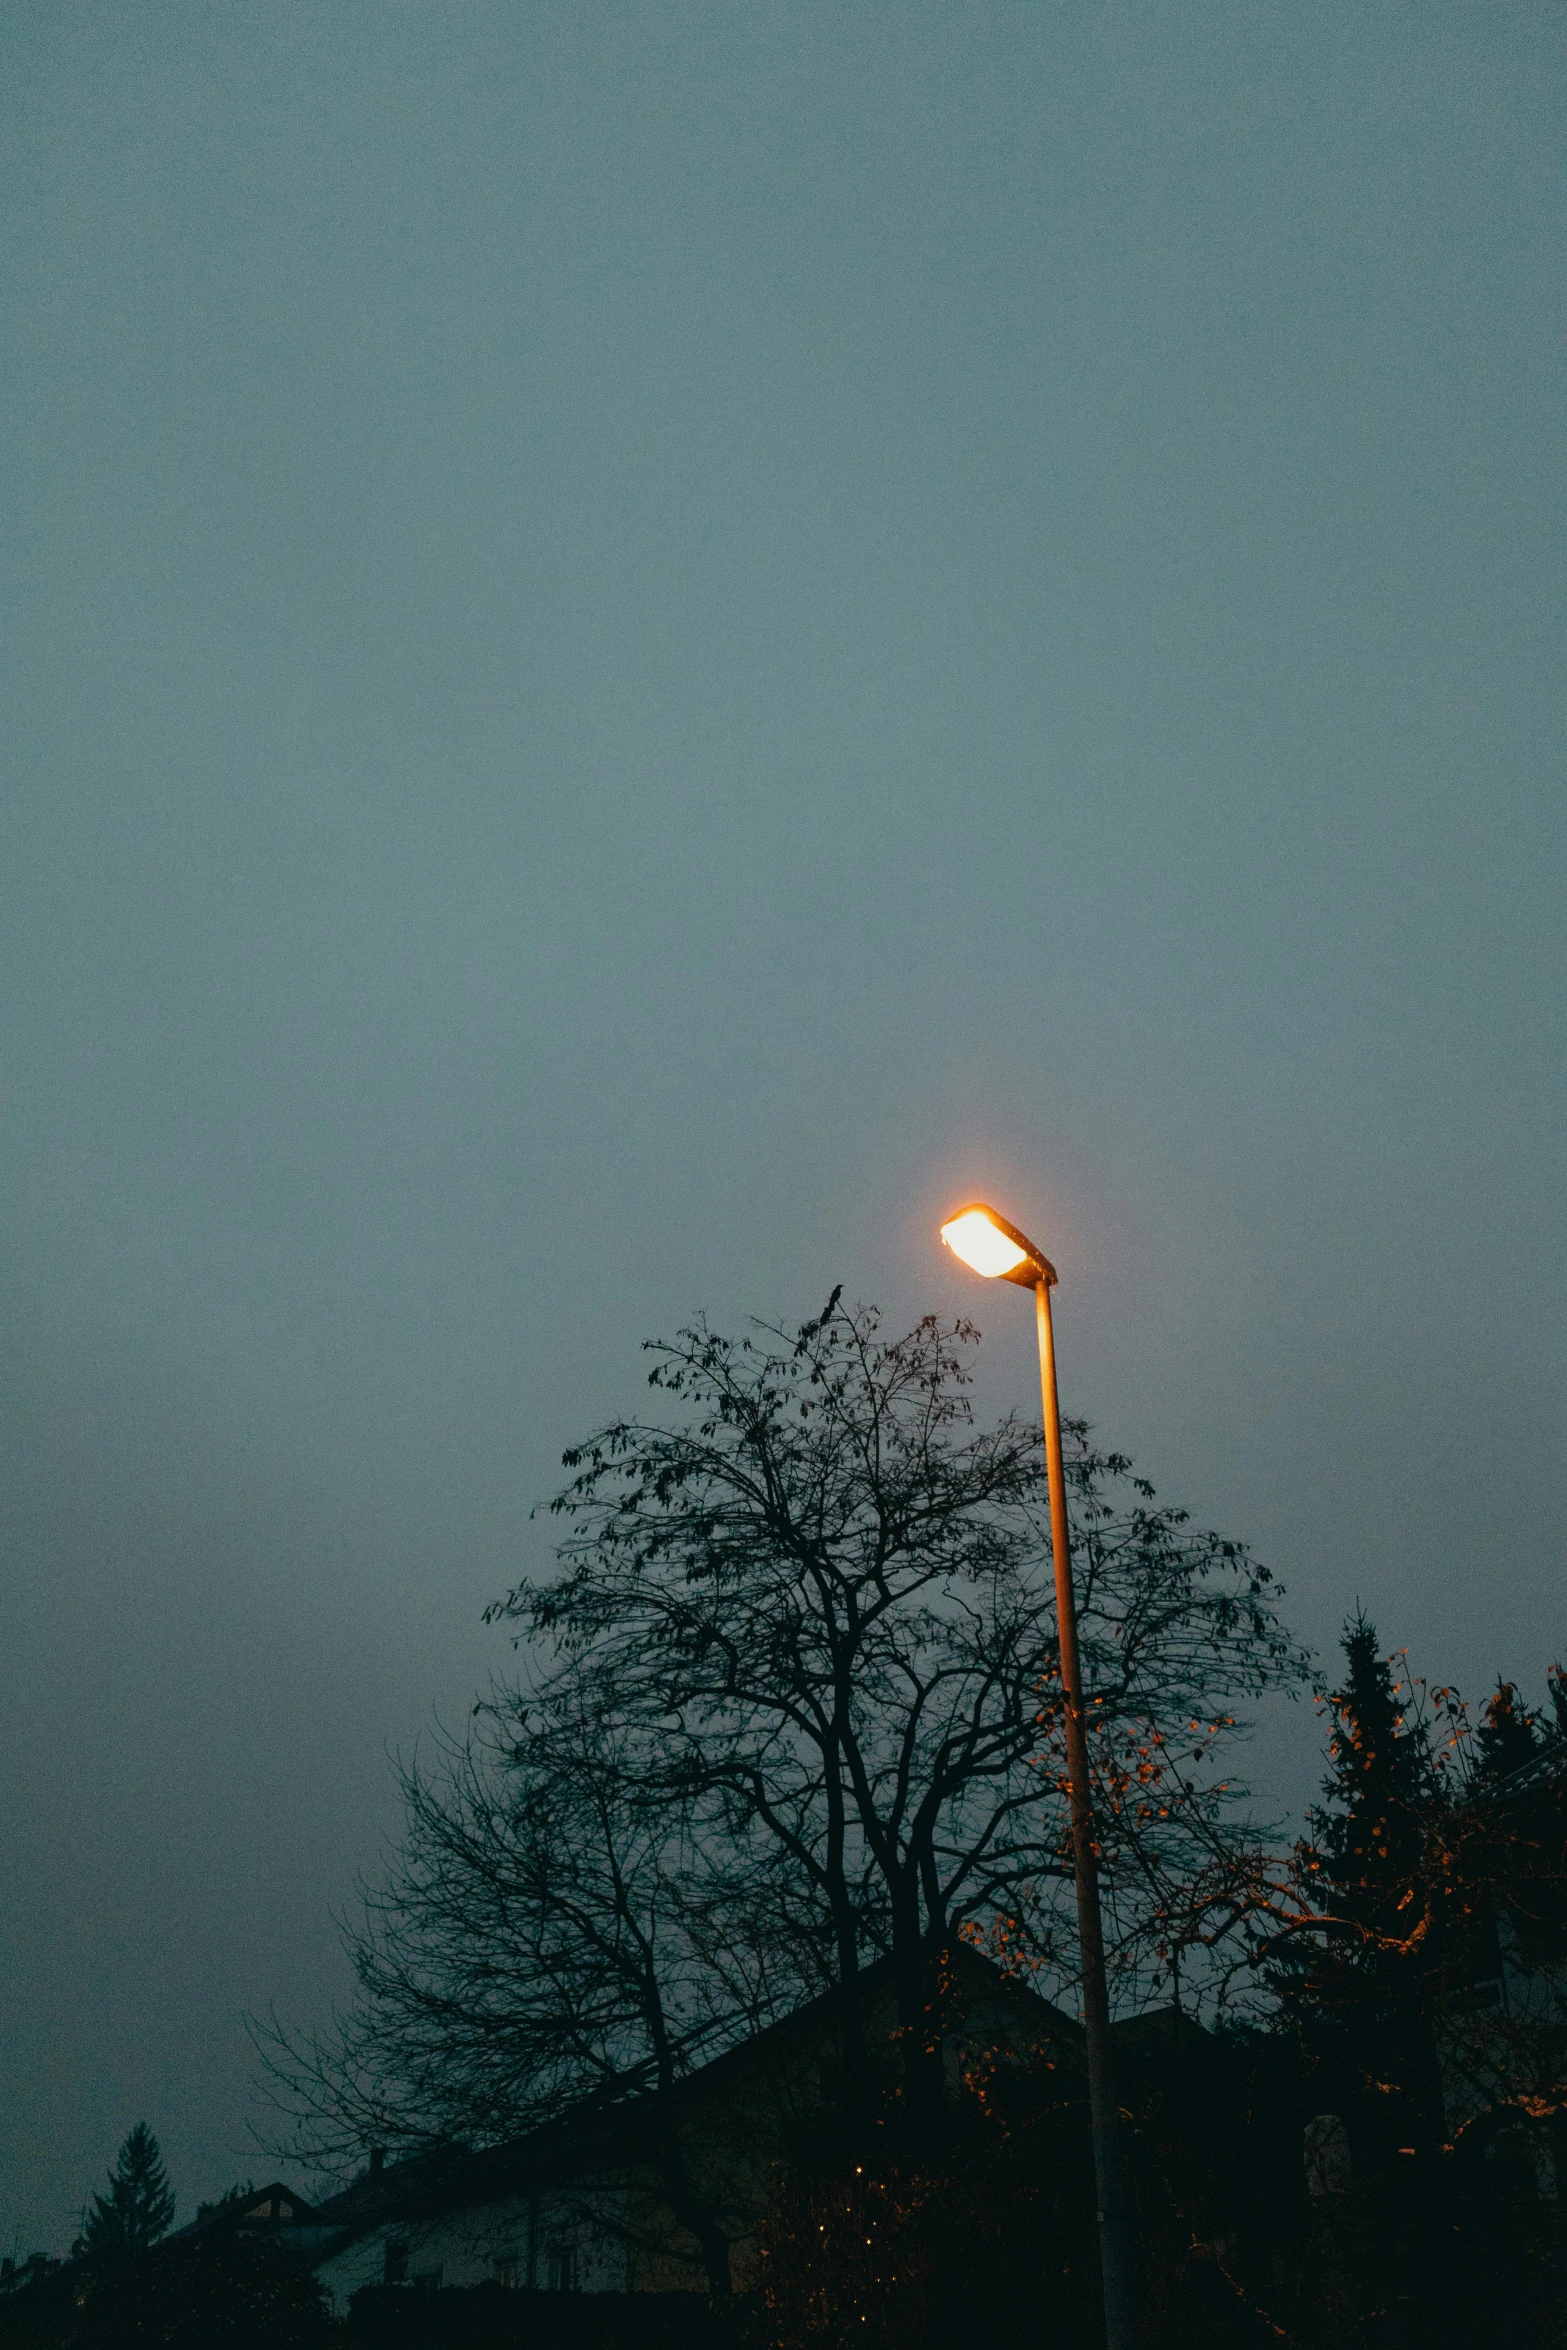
139,2207
1507,1738
1381,1769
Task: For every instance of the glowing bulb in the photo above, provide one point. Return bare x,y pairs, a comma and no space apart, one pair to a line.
973,1237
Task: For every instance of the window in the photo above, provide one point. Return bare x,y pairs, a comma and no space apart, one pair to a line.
561,2268
429,2278
507,2268
395,2271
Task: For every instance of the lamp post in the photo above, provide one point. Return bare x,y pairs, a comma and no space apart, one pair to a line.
990,1245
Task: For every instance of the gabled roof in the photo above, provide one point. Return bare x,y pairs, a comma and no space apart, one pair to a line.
609,2136
257,2207
1159,2028
426,2178
1549,1764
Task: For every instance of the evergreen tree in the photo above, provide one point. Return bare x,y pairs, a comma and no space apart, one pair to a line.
1507,1737
138,2208
1556,1681
1359,1984
1379,1788
1424,1840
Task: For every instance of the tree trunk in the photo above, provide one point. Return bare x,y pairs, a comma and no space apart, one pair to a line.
916,1972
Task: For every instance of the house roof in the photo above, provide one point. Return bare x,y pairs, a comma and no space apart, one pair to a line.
614,2135
257,2206
1539,1771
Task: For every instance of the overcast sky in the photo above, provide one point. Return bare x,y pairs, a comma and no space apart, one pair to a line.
642,645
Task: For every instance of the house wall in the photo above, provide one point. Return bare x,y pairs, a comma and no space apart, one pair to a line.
748,2120
614,2231
516,2240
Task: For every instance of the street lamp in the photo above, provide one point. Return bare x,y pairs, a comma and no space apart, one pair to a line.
992,1246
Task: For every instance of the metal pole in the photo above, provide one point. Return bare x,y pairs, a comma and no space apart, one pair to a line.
1115,2247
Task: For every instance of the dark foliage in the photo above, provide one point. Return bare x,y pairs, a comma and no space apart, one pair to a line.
41,2306
221,2290
1237,2252
1435,1852
1381,1783
994,2242
986,2237
1416,1943
138,2209
1433,2108
1557,1685
1365,1991
492,2317
1507,1738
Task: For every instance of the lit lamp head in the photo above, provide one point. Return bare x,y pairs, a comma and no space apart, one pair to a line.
990,1245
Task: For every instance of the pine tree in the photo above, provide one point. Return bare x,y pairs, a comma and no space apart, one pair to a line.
1556,1681
138,2208
1507,1737
1359,1985
1379,1788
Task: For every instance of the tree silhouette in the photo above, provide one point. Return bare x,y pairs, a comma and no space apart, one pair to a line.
793,1706
138,2209
1557,1683
1380,1782
835,1588
1506,1738
219,2290
1363,1986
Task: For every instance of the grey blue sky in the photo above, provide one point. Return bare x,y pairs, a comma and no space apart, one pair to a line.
642,644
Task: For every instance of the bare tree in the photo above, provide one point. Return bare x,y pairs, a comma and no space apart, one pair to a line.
547,1941
790,1703
833,1589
